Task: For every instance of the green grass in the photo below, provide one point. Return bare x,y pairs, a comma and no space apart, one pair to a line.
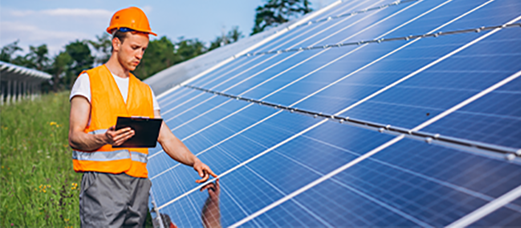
38,185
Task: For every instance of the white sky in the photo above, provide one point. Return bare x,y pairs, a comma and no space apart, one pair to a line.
58,22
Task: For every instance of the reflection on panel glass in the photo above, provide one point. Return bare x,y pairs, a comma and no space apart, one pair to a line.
210,214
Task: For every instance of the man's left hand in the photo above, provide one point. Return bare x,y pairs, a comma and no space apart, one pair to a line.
204,171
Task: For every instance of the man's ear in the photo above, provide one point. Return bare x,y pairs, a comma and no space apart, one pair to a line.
116,43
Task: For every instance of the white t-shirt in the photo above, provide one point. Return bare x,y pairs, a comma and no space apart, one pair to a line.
82,88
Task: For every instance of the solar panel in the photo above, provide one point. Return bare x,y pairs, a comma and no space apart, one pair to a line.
373,113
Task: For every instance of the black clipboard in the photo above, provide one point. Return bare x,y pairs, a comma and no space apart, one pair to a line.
146,131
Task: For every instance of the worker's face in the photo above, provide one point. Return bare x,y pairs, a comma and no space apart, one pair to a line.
131,51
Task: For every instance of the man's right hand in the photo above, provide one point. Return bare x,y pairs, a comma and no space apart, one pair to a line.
116,138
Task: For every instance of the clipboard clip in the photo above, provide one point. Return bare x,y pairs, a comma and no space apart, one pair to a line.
140,117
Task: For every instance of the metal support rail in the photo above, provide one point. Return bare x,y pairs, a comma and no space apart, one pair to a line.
406,38
359,12
510,153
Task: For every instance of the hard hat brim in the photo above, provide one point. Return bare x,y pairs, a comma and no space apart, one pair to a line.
111,30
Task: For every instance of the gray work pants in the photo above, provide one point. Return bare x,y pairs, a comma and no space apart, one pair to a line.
113,200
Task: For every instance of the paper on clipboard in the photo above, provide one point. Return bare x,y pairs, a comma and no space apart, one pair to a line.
146,131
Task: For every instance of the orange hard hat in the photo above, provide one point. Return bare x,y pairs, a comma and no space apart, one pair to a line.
132,18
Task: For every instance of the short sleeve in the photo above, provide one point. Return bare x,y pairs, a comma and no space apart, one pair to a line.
81,87
154,100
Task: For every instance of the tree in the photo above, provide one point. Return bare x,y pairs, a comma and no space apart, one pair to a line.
60,69
189,48
233,36
8,51
159,55
103,47
163,53
38,58
82,59
276,12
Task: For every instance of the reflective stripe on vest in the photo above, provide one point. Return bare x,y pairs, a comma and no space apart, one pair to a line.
135,156
100,156
110,156
139,157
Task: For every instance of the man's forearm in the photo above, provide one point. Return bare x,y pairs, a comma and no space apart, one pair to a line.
179,152
86,142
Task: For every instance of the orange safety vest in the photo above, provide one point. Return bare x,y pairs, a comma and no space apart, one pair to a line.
106,105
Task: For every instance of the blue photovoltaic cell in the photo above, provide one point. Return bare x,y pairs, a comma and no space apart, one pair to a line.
175,96
493,14
324,200
473,173
219,73
264,154
490,119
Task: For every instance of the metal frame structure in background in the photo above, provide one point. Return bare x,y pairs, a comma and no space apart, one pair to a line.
19,83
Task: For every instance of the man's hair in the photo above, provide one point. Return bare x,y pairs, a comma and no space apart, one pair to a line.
120,35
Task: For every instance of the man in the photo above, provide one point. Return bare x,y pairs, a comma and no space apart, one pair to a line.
115,185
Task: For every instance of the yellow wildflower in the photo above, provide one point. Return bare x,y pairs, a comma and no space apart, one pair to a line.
74,186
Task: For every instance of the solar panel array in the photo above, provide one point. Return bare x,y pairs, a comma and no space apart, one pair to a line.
374,113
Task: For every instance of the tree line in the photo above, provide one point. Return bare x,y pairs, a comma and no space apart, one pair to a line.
161,53
80,55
